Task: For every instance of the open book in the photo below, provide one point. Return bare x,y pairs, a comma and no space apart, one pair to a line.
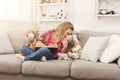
52,48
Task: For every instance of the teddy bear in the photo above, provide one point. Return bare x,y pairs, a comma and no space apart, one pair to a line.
74,49
31,37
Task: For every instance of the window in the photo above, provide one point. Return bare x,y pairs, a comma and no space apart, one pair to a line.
19,10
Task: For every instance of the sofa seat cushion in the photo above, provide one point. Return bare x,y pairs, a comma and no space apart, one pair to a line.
51,68
10,64
82,69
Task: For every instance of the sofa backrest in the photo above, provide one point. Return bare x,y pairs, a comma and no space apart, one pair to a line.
83,35
16,38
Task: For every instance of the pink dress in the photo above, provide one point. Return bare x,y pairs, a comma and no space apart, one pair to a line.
48,40
52,41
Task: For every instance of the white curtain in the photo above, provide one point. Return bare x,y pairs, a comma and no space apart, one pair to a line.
18,10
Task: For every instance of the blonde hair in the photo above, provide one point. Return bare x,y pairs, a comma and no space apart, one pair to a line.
62,28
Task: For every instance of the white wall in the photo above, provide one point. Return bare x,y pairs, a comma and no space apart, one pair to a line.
83,17
81,14
19,17
15,24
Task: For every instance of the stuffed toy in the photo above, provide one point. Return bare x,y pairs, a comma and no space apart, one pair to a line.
63,56
31,37
74,49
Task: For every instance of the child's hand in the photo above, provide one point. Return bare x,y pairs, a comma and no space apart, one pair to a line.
65,42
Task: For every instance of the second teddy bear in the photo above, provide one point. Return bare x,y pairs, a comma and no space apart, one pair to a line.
75,48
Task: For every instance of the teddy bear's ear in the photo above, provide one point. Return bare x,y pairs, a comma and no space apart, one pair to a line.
25,34
35,30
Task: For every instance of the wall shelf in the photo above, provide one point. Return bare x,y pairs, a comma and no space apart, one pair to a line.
51,12
42,20
107,8
109,15
51,4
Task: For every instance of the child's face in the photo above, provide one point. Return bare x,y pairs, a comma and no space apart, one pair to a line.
68,32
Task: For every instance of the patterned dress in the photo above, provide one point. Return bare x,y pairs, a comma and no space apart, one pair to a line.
46,38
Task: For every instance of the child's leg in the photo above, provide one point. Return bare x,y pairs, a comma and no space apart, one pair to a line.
25,50
37,55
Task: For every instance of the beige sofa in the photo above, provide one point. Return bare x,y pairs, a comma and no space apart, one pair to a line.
12,68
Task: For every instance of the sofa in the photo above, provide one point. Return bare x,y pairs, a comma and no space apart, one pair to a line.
12,68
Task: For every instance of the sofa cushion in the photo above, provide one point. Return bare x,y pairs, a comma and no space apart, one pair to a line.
83,35
10,64
112,51
16,37
82,69
51,68
5,46
91,52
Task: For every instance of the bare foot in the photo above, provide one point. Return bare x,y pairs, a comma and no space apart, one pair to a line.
20,56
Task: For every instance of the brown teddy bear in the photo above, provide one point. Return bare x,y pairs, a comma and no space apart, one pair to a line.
33,40
31,37
76,49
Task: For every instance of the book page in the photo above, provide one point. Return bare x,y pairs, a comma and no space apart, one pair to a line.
41,44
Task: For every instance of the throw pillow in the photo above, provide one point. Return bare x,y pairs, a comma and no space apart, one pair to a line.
93,48
118,62
5,45
112,50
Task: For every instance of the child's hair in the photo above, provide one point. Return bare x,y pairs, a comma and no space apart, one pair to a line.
62,28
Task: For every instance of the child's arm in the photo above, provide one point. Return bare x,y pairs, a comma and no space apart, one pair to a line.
65,46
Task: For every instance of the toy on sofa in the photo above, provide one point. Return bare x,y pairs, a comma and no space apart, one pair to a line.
63,56
74,51
31,37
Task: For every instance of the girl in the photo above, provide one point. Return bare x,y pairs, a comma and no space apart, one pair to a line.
51,37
